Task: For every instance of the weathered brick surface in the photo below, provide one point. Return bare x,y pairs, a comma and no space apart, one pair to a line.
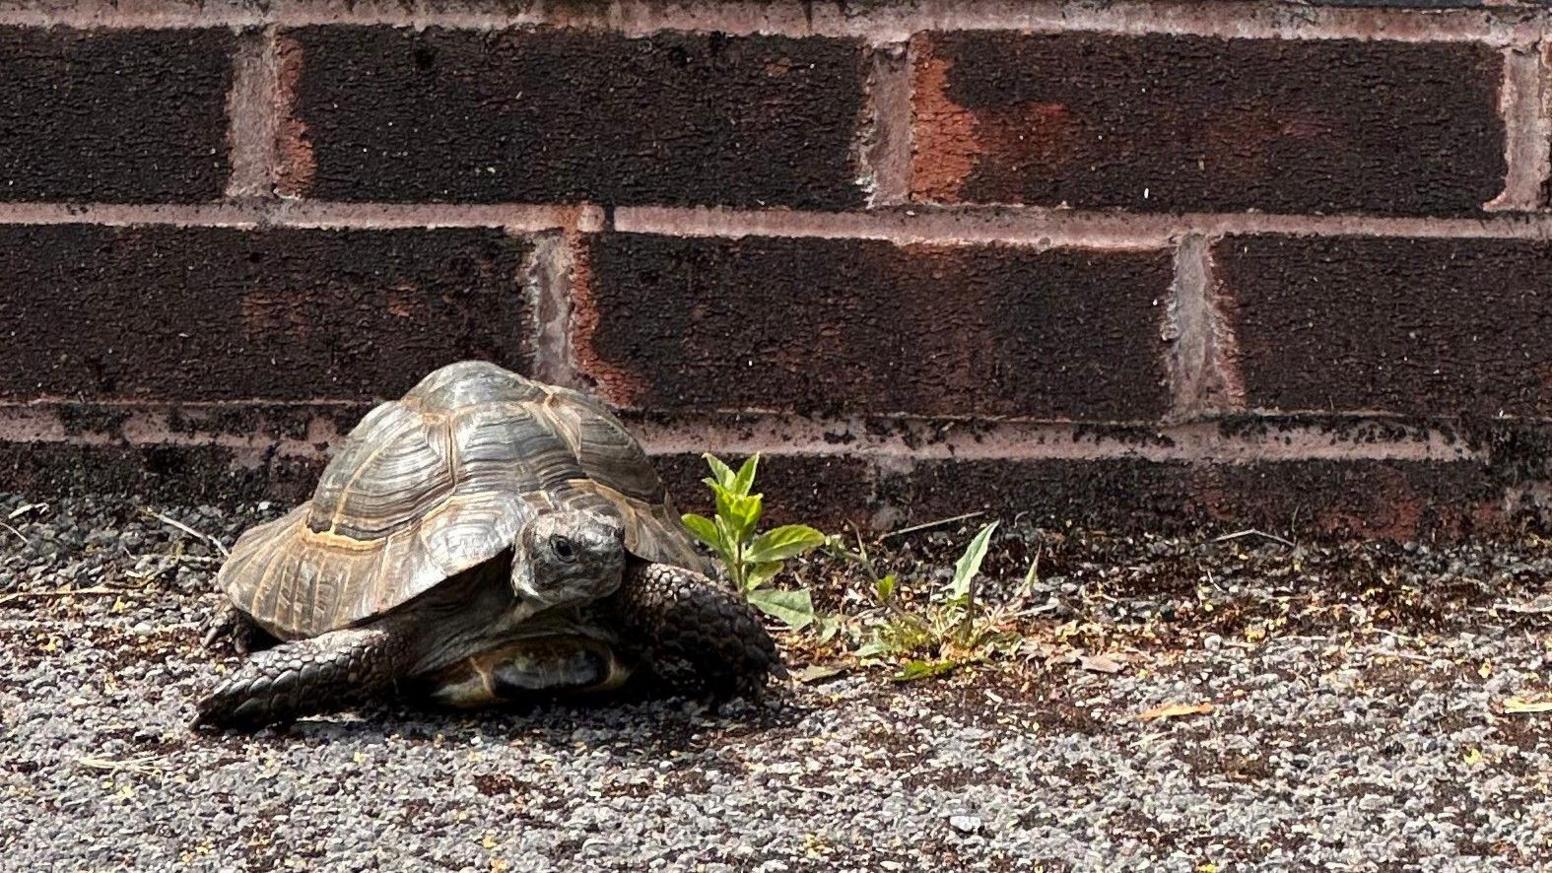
170,313
152,474
1333,498
1195,123
541,116
1366,385
1422,4
123,116
814,325
1398,325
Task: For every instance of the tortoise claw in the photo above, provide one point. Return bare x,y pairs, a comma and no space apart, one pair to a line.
231,630
225,629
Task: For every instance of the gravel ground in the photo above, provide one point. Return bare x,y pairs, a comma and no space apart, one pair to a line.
1356,723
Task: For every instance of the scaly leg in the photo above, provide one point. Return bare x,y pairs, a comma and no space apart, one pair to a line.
327,673
681,614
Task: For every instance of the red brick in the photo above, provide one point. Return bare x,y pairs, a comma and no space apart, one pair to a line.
206,313
559,115
1198,123
1430,326
1397,500
848,326
113,116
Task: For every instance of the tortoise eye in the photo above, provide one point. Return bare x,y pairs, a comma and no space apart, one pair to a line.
564,549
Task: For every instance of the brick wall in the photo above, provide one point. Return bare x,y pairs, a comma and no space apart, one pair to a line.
1140,265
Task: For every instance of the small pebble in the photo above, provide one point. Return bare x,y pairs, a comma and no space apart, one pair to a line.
965,824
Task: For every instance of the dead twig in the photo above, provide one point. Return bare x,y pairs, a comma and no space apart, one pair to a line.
1377,652
18,534
181,559
96,590
928,525
1248,532
172,522
1516,608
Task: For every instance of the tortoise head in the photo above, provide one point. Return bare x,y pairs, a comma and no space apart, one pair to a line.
568,556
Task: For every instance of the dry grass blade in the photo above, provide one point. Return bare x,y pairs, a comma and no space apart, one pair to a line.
1539,606
1175,710
1522,705
18,534
145,764
96,590
174,523
1251,532
25,508
929,525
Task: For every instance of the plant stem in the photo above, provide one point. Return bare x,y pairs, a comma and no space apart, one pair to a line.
738,567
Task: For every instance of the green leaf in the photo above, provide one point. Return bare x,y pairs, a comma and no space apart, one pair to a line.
828,627
781,543
727,541
759,574
741,513
914,670
704,529
969,563
744,514
745,478
872,649
724,499
1032,576
885,588
794,608
722,472
903,635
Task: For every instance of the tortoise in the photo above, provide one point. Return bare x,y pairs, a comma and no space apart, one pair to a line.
483,538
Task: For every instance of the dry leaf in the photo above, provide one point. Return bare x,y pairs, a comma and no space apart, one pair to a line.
1473,757
1101,664
817,673
1520,704
1175,710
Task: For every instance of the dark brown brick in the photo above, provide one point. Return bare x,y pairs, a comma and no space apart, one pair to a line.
1335,499
1423,4
1396,325
1201,123
844,326
829,491
151,474
543,116
113,116
174,313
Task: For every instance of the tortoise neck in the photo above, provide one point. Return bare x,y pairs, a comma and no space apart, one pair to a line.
477,611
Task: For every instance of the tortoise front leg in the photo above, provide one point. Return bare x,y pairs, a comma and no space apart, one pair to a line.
685,616
308,677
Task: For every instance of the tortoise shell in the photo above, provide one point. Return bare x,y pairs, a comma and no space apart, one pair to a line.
439,481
